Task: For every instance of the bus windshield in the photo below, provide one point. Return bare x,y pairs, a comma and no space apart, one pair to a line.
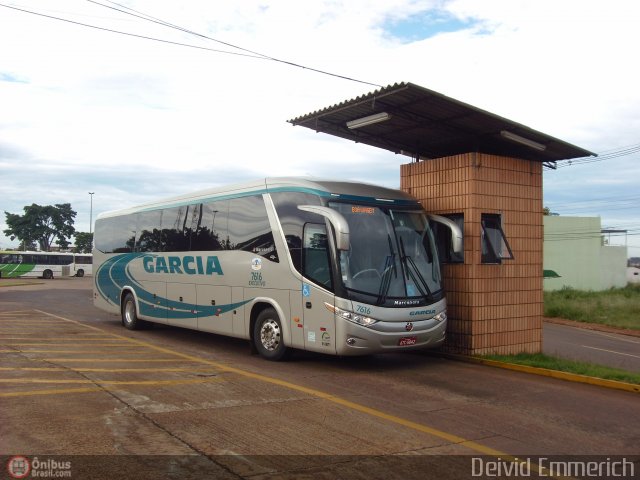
392,259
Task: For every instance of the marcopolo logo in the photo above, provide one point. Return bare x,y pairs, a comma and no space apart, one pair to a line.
187,265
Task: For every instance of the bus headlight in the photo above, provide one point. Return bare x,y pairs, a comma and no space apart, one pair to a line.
441,317
352,317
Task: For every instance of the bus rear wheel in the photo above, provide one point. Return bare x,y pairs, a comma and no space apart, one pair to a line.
268,336
129,311
80,273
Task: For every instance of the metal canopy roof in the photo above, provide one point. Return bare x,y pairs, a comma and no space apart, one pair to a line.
425,124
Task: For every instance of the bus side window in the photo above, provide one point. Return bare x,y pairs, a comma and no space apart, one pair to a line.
315,255
116,235
176,234
249,227
292,220
149,235
209,226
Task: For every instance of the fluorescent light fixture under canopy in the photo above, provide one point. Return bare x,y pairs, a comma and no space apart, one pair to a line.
524,141
369,120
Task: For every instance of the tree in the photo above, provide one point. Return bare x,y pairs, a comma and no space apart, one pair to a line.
27,246
84,242
42,224
546,211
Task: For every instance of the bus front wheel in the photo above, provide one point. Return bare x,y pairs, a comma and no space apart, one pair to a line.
47,275
268,336
130,318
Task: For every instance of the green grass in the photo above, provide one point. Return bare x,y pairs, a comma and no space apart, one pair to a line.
618,307
571,366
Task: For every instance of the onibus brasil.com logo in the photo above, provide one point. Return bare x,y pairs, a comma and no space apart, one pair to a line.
20,466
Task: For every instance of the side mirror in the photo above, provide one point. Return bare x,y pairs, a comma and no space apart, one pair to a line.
339,223
456,233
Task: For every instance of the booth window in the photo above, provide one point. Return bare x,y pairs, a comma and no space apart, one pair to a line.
495,247
442,235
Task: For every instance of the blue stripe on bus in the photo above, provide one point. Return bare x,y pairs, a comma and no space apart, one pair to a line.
311,191
114,274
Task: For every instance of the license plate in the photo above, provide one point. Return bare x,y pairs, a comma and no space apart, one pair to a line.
407,341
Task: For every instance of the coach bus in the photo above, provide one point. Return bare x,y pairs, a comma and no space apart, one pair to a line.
46,265
328,266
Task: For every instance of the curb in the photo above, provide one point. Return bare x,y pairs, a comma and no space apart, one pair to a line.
545,372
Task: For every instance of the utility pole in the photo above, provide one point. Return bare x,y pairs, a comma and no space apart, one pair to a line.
91,214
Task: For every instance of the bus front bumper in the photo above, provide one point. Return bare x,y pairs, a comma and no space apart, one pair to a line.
353,339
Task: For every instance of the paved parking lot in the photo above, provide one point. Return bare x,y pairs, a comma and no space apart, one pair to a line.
67,348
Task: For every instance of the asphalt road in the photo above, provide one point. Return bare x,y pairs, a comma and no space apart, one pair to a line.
74,382
603,348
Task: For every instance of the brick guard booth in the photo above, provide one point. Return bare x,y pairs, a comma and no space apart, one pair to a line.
484,172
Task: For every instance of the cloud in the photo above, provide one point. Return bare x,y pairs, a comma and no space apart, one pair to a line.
7,77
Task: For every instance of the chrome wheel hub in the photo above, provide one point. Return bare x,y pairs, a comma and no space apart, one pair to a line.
270,335
129,312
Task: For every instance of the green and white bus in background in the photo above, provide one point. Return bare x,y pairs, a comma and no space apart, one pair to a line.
14,264
288,263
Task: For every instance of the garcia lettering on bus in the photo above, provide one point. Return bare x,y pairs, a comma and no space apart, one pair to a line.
188,265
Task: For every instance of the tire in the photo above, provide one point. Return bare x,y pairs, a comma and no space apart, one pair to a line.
47,275
80,273
268,336
129,312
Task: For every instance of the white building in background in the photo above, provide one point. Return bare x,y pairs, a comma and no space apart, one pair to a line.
633,274
575,250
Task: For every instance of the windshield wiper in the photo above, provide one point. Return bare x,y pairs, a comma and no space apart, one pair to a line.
388,269
413,272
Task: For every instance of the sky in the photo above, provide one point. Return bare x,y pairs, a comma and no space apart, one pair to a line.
131,119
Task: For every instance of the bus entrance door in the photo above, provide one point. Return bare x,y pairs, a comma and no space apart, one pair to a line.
319,322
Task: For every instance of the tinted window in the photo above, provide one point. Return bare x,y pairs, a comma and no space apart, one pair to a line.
209,226
315,255
292,220
249,228
495,247
176,229
60,259
115,235
149,235
442,235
